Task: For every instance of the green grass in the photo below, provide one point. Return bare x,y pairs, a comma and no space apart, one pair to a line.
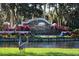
39,52
52,36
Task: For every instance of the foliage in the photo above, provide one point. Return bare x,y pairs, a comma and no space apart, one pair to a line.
76,30
64,13
75,33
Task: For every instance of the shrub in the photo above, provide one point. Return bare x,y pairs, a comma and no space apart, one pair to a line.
75,33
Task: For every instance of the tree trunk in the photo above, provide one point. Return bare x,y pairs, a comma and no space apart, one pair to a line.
44,10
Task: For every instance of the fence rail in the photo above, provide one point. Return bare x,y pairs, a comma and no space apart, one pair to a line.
11,32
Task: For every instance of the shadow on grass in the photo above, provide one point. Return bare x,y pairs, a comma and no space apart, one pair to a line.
59,54
39,54
51,54
9,55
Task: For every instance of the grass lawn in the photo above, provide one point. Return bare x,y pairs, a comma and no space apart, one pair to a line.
39,52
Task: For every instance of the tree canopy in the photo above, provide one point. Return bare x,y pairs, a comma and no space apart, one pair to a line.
64,13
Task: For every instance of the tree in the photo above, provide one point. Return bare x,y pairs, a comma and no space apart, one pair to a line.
64,13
